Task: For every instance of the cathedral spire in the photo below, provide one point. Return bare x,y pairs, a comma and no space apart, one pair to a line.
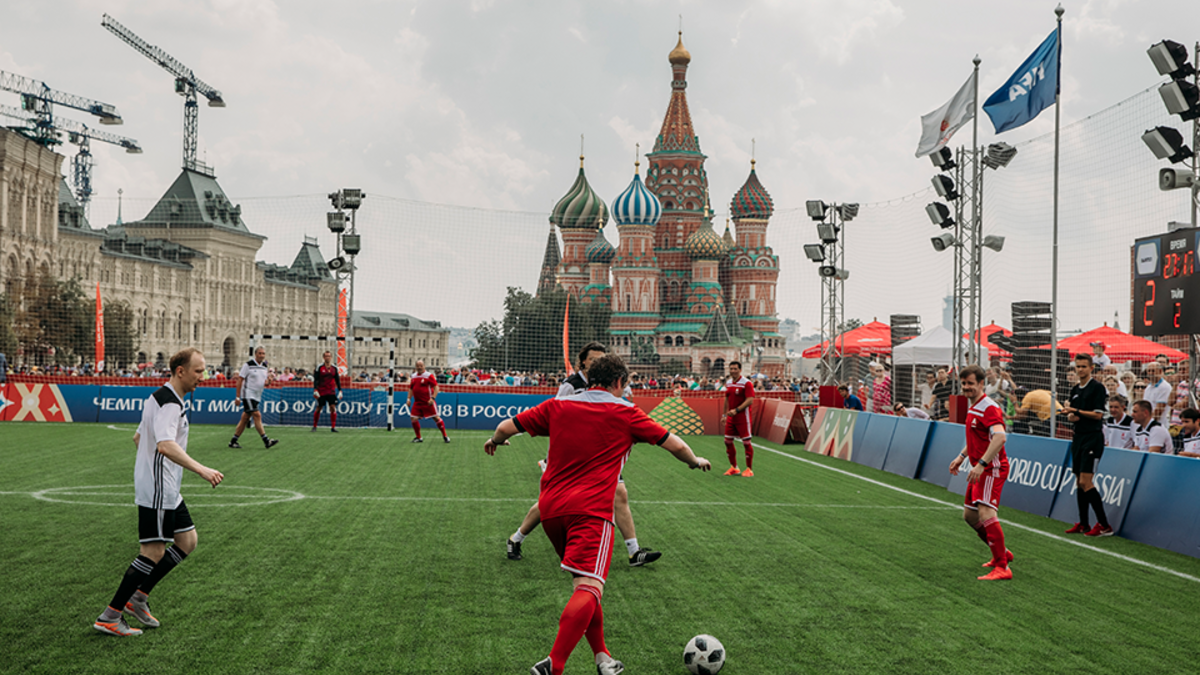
547,280
677,133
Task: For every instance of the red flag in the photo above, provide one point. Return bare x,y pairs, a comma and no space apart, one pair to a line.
99,331
341,332
566,337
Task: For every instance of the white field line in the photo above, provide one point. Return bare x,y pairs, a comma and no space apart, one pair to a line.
1007,523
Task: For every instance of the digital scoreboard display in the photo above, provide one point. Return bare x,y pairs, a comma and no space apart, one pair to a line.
1166,290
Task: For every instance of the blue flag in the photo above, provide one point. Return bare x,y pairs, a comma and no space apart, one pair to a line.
1029,91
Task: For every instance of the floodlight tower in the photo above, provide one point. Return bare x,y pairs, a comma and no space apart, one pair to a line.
830,218
1181,98
187,85
349,243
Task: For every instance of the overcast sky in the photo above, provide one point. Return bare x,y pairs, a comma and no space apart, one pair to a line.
481,104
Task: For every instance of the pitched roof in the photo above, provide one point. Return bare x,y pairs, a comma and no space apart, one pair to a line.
386,320
310,263
195,200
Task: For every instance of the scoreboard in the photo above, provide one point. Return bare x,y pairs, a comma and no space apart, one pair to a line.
1166,290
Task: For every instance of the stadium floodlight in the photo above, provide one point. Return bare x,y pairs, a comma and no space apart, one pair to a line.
831,272
336,264
943,159
815,252
1181,98
939,214
849,211
816,209
1170,58
944,186
1167,143
1175,179
336,220
999,155
347,198
944,241
352,243
994,242
828,232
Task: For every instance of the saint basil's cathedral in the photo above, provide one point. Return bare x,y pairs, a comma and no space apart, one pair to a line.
677,289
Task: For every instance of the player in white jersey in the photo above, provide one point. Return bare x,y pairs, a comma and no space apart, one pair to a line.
161,441
577,383
251,380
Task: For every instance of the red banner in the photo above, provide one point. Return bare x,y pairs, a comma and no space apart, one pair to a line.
342,311
99,331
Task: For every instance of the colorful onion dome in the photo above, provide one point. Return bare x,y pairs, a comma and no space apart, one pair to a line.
728,237
752,201
637,205
600,251
704,244
581,208
680,55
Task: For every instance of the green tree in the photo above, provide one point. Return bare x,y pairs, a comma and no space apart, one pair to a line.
121,338
56,322
529,337
849,325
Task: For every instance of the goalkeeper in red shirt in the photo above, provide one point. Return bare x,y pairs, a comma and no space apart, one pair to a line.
327,389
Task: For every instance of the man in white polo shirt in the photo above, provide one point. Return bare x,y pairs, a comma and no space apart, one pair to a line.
251,380
163,518
1159,393
1150,435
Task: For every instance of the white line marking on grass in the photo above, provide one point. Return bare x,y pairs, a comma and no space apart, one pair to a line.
116,428
1007,523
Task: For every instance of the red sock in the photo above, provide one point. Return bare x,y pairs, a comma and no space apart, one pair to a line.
749,454
417,427
576,619
731,453
332,417
316,416
995,539
441,426
595,630
979,530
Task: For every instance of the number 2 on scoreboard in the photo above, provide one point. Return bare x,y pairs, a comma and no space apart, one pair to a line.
1149,305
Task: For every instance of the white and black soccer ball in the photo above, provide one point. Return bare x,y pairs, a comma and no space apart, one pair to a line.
704,655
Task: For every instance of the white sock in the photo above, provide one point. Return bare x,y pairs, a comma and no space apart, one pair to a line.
518,537
603,658
631,545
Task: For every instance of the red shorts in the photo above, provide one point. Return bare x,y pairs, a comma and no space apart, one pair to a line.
423,410
987,490
738,426
584,543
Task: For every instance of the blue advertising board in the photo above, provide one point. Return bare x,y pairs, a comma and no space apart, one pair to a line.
213,405
907,447
294,406
945,441
81,401
1115,477
485,411
118,405
875,439
1161,512
1035,470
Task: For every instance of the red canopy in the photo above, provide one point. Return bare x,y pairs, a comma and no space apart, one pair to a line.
1119,346
873,338
994,351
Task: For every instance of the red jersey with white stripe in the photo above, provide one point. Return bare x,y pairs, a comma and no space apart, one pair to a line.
422,386
982,416
590,438
325,380
736,393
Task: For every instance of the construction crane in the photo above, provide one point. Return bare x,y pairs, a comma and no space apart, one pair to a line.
187,85
40,99
77,133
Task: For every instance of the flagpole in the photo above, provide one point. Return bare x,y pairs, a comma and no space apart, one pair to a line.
1058,11
976,281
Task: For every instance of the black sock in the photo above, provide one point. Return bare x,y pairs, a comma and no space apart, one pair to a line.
170,559
235,439
138,570
1082,499
1098,506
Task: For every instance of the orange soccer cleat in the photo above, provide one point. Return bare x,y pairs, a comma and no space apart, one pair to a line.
992,563
747,474
1076,529
733,471
996,574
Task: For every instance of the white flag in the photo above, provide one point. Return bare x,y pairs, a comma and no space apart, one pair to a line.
938,126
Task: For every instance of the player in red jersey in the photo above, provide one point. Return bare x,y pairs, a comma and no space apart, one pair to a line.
985,450
327,389
738,394
422,401
591,435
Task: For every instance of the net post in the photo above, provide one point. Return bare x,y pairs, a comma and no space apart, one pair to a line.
391,383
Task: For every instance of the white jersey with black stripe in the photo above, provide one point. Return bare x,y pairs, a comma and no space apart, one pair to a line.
156,479
255,376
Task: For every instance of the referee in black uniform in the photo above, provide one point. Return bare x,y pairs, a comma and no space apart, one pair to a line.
1086,407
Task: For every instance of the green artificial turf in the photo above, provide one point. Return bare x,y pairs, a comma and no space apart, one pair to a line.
363,553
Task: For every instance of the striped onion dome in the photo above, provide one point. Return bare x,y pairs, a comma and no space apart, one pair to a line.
636,205
752,201
704,244
600,251
581,208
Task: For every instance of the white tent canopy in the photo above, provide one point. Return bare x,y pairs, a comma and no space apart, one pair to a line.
933,347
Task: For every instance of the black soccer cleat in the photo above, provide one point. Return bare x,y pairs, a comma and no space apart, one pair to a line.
313,429
644,556
333,430
541,667
235,444
418,440
446,439
514,550
271,442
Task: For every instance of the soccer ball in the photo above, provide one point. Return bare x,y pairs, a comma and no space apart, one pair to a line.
704,655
